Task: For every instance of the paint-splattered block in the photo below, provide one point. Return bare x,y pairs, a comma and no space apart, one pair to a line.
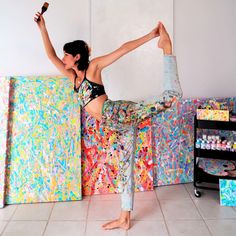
227,192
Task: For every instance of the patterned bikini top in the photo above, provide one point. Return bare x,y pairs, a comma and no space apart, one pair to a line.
88,90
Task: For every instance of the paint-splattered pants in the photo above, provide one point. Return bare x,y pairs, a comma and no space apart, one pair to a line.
124,117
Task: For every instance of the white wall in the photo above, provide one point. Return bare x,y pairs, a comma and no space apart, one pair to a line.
105,24
137,75
21,46
205,43
204,39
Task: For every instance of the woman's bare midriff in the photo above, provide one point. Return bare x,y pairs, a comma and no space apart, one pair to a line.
94,108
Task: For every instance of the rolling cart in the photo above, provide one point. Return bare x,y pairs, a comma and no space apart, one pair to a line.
200,176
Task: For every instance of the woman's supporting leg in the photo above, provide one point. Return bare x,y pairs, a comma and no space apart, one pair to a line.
127,169
127,141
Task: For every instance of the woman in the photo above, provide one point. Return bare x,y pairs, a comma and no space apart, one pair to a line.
123,116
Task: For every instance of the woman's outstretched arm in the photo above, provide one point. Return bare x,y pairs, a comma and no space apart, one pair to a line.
50,51
106,60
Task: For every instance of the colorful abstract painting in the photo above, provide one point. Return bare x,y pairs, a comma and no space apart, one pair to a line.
227,192
44,151
173,141
169,163
4,104
101,156
52,152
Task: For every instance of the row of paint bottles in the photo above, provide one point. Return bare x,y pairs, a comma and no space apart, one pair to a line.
214,142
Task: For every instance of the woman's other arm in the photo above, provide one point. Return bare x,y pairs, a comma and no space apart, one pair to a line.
106,60
50,51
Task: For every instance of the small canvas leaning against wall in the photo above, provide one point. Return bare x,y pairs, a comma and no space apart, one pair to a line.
227,192
44,151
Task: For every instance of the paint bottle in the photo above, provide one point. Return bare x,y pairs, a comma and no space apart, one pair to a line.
208,145
223,146
198,143
213,137
234,147
218,145
213,145
203,145
228,146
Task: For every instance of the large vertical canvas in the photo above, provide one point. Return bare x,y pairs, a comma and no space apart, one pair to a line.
174,140
44,151
101,154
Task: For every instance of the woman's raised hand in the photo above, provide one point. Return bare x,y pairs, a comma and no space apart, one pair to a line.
156,31
38,18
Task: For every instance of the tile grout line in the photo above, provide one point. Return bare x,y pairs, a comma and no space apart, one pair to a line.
162,212
86,220
8,221
234,208
198,210
194,202
48,220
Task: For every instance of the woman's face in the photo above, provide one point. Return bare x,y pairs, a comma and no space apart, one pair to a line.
69,60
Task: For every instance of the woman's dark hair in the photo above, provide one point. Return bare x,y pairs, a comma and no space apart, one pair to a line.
79,47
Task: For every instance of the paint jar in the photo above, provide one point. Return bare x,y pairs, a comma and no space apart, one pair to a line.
223,146
234,147
208,145
218,145
228,146
203,145
213,145
198,143
213,137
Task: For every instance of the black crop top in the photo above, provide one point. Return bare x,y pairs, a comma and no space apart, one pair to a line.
88,90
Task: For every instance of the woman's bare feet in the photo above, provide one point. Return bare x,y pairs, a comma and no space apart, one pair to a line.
164,40
123,222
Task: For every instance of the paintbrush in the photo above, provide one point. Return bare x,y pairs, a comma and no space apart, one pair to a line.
43,9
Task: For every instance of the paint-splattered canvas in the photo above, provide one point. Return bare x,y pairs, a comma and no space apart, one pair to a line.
44,152
101,156
227,192
174,142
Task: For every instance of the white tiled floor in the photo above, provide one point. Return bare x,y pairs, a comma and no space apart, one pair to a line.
167,211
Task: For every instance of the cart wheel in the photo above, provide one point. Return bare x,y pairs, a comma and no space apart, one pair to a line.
197,193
